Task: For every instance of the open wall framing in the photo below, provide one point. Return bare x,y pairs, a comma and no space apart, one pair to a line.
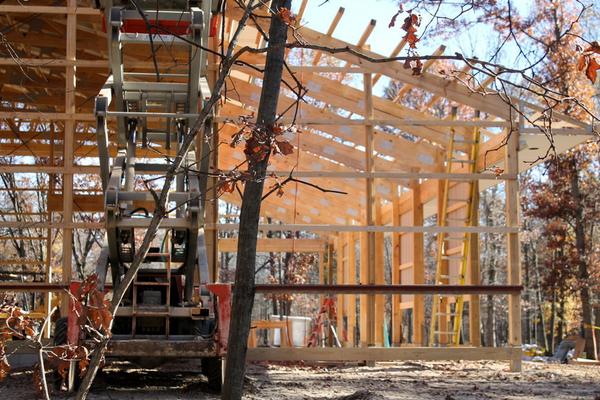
389,158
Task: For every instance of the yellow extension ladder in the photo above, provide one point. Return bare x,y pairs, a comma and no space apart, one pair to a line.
440,322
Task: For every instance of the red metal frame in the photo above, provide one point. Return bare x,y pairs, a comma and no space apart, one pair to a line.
221,290
388,289
223,293
73,330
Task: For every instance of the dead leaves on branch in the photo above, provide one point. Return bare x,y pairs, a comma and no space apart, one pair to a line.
16,325
4,365
62,356
587,61
410,26
93,315
260,140
286,16
95,309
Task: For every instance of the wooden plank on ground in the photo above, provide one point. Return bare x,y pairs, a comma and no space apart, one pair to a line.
381,353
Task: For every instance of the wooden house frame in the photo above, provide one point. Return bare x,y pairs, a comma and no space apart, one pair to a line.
57,63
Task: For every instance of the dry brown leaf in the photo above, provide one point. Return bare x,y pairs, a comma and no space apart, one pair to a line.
283,147
592,70
581,62
287,16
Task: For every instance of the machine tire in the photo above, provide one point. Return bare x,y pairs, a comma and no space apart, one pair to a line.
212,369
61,327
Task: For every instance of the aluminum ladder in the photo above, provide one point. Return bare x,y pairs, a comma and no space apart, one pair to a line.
441,327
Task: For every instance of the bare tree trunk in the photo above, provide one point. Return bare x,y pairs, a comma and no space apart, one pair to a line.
243,292
527,294
583,273
489,327
550,349
561,317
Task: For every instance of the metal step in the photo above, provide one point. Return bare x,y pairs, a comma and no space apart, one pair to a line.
152,75
155,96
161,136
142,283
147,196
141,313
167,223
144,38
149,87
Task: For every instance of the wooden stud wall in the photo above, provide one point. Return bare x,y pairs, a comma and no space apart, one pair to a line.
387,194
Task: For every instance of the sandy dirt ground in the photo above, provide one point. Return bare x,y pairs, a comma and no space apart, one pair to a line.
402,380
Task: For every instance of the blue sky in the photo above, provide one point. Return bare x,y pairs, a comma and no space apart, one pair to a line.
358,13
479,41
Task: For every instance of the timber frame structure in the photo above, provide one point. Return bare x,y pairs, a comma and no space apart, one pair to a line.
389,158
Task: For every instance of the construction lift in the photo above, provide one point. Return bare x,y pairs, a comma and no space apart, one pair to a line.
173,309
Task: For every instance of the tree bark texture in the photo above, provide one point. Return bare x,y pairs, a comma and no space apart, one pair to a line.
243,293
583,273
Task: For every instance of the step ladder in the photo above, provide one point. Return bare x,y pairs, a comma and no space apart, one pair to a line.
446,321
157,282
154,111
327,314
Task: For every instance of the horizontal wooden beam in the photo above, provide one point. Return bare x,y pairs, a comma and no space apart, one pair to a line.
46,116
45,169
32,287
388,289
53,63
52,225
229,245
396,122
381,353
370,228
303,68
22,9
395,175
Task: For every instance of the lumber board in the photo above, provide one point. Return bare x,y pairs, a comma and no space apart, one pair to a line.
382,354
265,245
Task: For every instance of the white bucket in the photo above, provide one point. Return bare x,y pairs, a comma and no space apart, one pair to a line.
300,327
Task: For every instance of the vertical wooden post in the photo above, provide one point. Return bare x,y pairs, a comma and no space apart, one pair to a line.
69,129
330,282
364,279
370,200
350,273
475,275
418,264
48,260
322,267
339,275
396,311
379,277
514,263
